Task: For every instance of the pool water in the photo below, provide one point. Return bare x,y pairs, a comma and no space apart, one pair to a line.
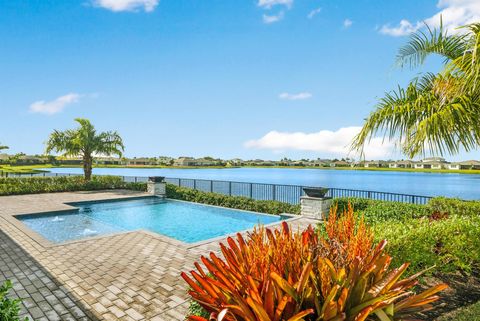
184,221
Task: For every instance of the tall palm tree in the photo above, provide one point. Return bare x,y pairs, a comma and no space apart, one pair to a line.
436,113
85,142
2,147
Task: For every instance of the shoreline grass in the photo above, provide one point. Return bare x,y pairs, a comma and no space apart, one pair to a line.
28,169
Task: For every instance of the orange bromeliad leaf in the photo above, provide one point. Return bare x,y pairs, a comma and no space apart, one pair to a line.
334,274
299,316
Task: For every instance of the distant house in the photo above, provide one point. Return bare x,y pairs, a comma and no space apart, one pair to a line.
69,161
430,165
319,163
433,159
376,164
3,158
204,162
108,161
298,163
339,163
470,164
143,161
165,160
402,164
184,161
236,162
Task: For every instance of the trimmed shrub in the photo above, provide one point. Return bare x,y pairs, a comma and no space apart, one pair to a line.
376,211
453,206
9,308
444,233
450,244
33,185
238,202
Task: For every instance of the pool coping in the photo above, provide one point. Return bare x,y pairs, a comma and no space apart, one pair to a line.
41,240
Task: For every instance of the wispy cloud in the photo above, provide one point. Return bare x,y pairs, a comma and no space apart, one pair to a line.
273,18
454,13
126,5
404,28
325,141
268,4
347,23
313,13
299,96
56,105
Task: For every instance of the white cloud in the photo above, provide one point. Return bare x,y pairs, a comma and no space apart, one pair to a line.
347,23
404,28
268,4
454,13
325,141
54,106
313,13
299,96
127,5
273,18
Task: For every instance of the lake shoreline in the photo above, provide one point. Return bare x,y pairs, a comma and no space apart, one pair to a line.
29,169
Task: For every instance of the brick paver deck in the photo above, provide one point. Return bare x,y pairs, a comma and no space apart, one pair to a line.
126,276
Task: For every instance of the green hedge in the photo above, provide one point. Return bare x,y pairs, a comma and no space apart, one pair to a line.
451,244
453,206
238,202
380,211
445,232
33,185
9,308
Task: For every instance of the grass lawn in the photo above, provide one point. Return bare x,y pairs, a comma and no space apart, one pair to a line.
469,313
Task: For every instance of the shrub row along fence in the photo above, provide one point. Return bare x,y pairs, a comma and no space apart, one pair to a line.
260,191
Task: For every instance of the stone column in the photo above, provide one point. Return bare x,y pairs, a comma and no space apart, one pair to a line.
315,207
156,186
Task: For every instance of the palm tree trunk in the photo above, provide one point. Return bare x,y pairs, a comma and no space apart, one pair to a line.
87,167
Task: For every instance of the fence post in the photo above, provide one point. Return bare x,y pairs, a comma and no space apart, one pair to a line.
230,188
194,184
135,179
251,190
274,196
211,186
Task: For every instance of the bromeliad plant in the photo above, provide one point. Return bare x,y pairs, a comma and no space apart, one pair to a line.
335,274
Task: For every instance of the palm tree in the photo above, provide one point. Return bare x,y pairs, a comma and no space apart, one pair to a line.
436,113
85,142
2,147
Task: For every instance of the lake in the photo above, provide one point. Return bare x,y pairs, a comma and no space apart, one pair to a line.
466,186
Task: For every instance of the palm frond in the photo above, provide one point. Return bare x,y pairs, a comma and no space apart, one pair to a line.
427,117
432,41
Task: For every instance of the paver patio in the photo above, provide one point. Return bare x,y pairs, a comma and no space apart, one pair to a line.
126,276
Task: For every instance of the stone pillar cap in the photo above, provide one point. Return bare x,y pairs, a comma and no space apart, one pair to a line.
156,179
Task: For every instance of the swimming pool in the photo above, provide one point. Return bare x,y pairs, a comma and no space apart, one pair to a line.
184,221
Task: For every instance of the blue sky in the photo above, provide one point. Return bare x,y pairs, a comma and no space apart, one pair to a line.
227,78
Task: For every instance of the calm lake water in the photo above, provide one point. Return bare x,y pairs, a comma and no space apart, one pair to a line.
466,186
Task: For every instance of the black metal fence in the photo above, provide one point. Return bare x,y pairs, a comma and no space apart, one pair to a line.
286,193
261,191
